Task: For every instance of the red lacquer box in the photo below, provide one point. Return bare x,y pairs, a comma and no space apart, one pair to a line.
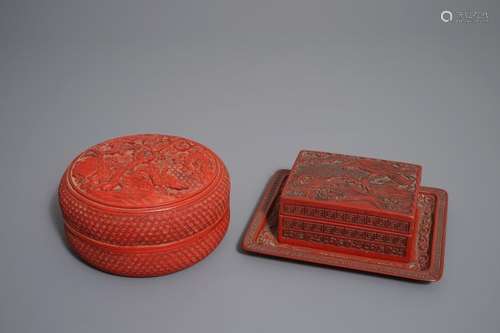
145,205
350,204
353,212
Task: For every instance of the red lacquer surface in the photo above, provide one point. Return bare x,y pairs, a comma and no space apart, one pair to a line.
351,204
145,205
426,262
380,187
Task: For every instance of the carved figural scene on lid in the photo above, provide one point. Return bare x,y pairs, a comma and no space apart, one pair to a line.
373,200
354,212
145,205
357,183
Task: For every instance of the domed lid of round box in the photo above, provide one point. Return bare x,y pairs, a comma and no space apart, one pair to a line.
144,191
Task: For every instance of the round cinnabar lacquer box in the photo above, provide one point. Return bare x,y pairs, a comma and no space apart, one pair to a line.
145,205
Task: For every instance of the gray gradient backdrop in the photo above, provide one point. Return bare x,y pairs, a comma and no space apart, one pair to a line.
256,81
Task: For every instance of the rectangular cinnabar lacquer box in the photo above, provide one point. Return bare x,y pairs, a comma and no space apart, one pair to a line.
350,204
354,212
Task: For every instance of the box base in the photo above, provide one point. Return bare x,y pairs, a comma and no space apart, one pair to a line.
426,262
148,260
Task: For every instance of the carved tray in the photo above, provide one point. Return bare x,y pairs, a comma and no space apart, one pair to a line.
426,264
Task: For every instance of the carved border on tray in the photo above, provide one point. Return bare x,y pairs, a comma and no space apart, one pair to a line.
426,265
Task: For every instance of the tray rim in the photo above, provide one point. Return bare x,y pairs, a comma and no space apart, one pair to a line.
347,261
